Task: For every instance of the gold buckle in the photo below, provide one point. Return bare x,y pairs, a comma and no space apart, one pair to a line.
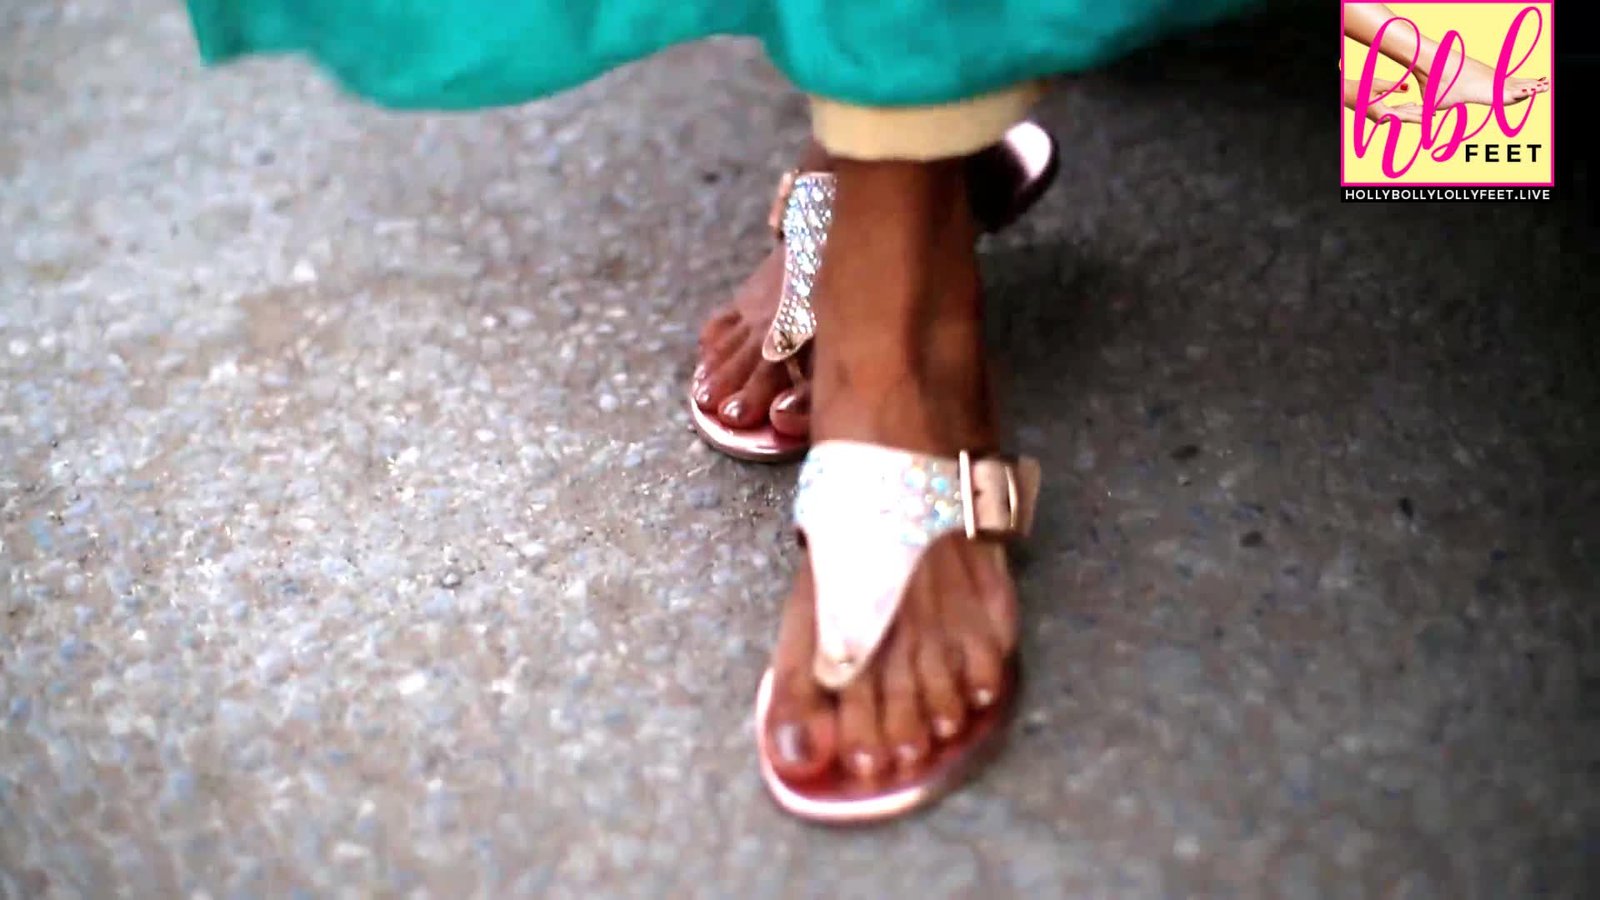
969,507
780,201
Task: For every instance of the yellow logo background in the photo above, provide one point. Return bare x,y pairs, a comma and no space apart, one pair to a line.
1483,28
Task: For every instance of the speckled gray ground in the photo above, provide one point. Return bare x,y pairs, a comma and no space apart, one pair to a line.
355,542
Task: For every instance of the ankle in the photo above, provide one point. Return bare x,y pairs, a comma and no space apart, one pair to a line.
939,412
911,202
814,158
902,255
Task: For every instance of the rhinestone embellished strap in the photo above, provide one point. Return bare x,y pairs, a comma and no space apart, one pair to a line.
806,214
869,513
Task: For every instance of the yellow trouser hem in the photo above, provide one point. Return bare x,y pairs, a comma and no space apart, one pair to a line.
920,133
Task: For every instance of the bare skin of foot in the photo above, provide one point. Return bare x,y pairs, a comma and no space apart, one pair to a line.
1476,84
899,298
1405,45
1405,112
731,377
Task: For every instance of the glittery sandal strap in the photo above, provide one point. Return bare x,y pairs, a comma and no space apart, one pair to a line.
801,213
869,513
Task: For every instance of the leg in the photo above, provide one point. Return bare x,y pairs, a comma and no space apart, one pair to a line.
744,391
899,362
1407,46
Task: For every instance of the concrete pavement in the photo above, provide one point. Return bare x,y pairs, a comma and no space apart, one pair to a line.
355,542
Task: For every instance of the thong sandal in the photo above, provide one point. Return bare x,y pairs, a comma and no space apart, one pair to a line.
802,208
867,514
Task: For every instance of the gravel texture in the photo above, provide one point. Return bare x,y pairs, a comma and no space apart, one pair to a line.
355,542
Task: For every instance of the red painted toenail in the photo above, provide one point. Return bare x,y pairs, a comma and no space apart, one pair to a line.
982,698
702,394
945,728
732,409
909,754
792,743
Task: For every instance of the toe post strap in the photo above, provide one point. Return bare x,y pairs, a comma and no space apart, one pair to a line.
869,513
801,213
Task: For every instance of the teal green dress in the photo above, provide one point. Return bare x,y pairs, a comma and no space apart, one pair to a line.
469,54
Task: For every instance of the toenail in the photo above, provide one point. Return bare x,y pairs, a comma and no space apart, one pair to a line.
909,754
702,394
945,728
700,373
786,403
792,744
732,409
863,763
982,698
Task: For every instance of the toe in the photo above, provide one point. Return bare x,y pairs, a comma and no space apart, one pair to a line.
728,378
905,731
982,669
748,406
714,354
800,726
936,665
801,723
791,411
861,747
996,593
967,627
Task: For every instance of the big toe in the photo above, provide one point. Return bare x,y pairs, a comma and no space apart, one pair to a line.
801,726
791,411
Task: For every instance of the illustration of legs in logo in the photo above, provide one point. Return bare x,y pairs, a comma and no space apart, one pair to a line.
1406,45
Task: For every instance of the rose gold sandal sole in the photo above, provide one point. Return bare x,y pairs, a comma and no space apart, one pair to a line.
765,444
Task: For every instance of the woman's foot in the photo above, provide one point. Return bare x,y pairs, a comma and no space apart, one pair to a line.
902,366
744,391
1476,84
731,379
1405,112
